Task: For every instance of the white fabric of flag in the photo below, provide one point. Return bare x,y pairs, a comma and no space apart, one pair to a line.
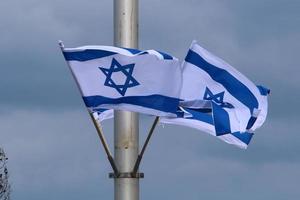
218,99
126,79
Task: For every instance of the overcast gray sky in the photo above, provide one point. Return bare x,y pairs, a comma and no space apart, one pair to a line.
53,149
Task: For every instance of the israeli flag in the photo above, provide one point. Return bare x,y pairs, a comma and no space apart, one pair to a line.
126,79
218,99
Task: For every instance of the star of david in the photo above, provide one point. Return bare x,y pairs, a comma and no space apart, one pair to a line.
217,98
126,70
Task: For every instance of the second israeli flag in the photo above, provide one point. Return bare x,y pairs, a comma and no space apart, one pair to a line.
218,99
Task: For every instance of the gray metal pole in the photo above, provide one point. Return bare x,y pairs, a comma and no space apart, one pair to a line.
126,124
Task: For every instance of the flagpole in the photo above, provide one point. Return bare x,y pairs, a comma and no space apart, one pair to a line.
126,124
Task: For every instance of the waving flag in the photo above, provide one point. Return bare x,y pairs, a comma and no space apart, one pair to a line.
126,79
218,99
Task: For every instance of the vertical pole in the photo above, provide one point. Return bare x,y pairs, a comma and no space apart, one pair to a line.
126,127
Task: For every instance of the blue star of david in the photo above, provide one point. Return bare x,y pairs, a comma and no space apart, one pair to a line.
126,70
217,98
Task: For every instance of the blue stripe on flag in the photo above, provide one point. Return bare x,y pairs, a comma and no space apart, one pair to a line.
133,51
233,85
157,102
179,113
251,122
263,91
100,110
221,120
88,54
166,56
200,116
143,53
244,137
202,110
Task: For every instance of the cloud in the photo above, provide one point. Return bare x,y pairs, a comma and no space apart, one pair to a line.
256,38
51,153
58,153
34,73
54,152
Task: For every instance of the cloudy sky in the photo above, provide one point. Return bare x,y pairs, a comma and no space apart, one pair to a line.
53,149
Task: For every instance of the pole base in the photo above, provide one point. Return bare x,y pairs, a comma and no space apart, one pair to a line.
126,175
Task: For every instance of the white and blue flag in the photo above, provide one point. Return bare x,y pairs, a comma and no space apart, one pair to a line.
218,99
126,79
